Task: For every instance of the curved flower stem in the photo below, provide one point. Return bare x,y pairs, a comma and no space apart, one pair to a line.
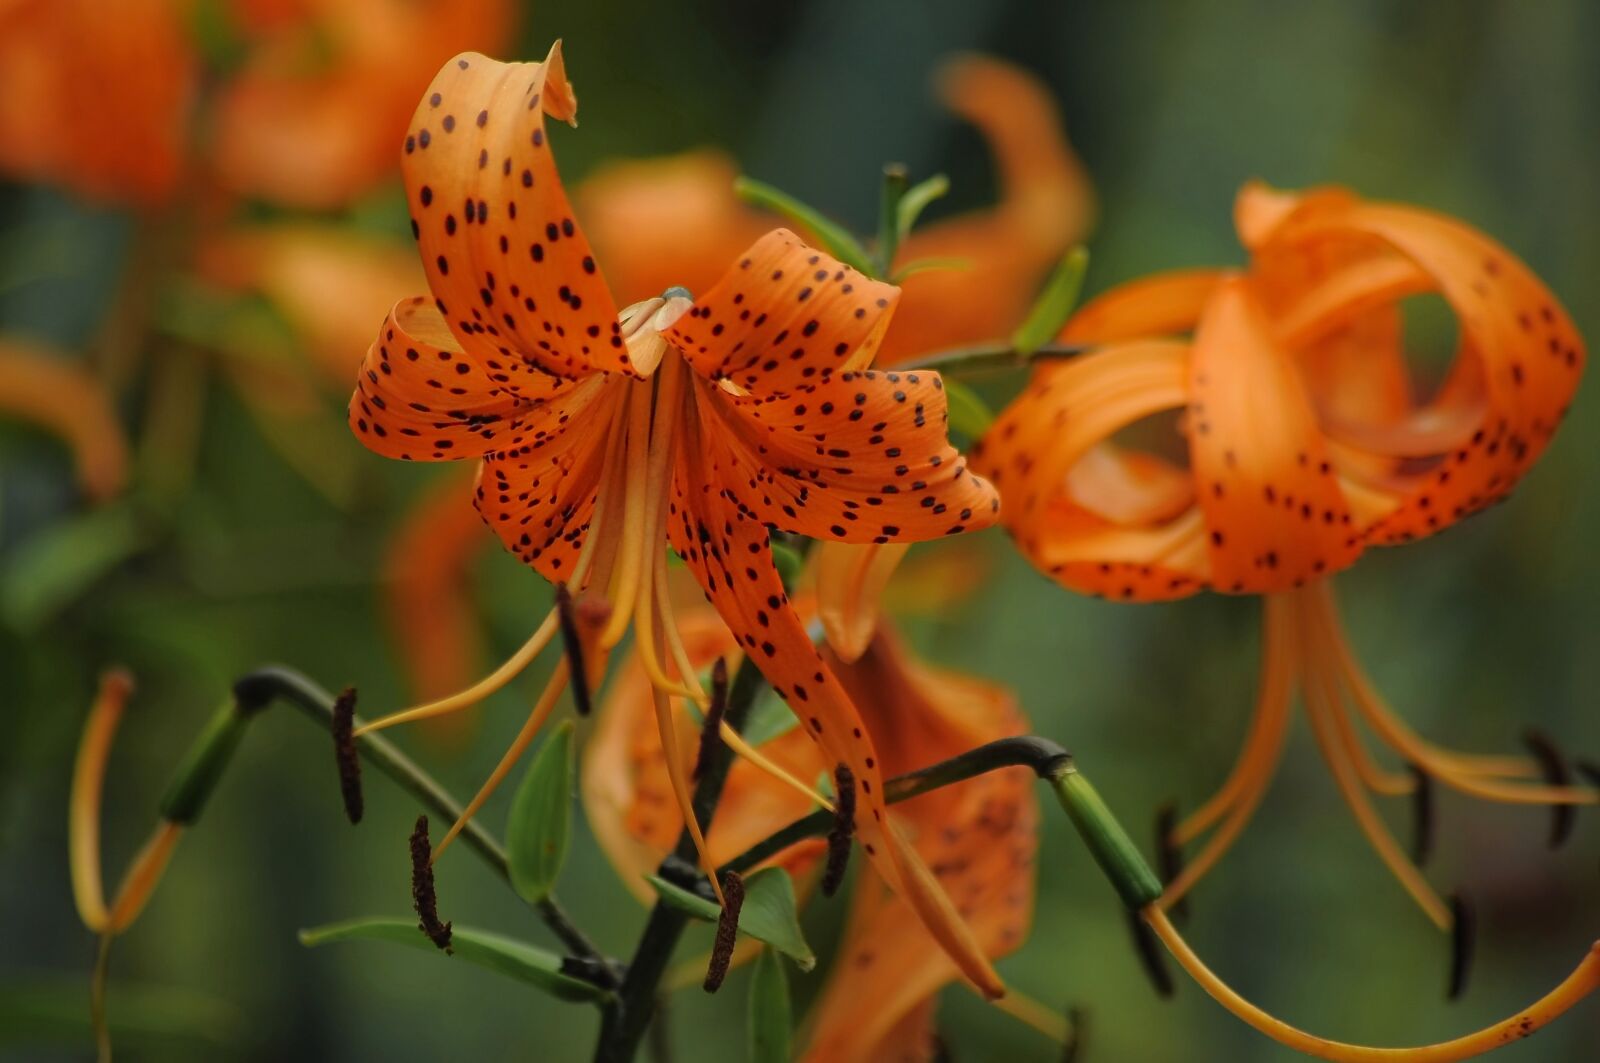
97,999
265,685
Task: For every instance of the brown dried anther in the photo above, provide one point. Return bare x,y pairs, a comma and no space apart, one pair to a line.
1422,816
1463,936
727,931
572,640
423,896
344,754
711,733
1169,854
844,827
1151,957
1556,773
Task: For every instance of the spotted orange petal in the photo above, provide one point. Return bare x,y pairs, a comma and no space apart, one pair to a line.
1274,511
786,316
729,553
512,272
862,457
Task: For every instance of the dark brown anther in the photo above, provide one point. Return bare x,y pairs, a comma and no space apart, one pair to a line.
1151,958
1422,817
844,827
727,931
1556,773
344,754
423,896
1590,770
577,674
1463,936
1169,854
711,733
1077,1033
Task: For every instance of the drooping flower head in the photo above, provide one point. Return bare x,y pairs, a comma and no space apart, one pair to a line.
1302,445
978,837
703,422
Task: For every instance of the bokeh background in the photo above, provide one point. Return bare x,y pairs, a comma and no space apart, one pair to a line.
237,545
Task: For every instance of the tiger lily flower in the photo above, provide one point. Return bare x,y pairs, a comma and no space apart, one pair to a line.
603,436
103,101
1305,447
978,837
45,388
675,220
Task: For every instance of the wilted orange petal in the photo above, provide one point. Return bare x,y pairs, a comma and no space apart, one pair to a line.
46,389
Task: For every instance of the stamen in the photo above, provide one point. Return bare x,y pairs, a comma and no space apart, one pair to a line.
1144,943
668,733
571,639
714,714
1463,938
1059,1028
423,897
88,778
140,880
1583,981
601,539
844,827
486,686
1556,773
1169,854
1590,770
519,745
344,754
636,459
732,896
744,749
1422,818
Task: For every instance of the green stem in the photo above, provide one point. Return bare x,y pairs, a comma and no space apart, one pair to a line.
97,1000
991,358
261,687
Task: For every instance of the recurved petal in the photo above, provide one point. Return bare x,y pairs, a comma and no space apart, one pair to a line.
1164,304
785,316
861,457
1093,517
512,272
420,397
851,578
1274,511
730,554
45,388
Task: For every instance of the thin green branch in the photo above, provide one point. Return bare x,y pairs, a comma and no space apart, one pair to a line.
991,358
265,685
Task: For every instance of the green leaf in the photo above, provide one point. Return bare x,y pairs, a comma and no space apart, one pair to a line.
789,563
928,265
770,717
58,565
834,237
540,827
895,183
768,914
515,959
969,414
916,200
770,1019
1054,305
48,1010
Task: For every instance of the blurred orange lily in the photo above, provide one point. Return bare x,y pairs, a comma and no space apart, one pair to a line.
103,101
1304,446
670,221
978,837
47,389
603,436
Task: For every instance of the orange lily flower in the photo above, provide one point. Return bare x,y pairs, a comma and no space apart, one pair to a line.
696,422
102,101
1305,447
675,220
49,390
979,837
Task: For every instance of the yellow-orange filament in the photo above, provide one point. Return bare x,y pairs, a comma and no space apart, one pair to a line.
1579,984
486,686
140,880
749,752
83,809
667,729
536,719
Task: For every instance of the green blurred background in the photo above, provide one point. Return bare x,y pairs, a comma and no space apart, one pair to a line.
1490,111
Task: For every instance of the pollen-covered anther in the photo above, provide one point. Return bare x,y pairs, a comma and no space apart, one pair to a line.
344,752
423,897
727,931
710,739
573,641
844,828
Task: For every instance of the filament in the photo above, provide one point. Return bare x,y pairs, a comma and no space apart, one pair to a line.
519,744
625,580
484,687
88,779
680,786
1579,984
1034,1015
142,876
737,743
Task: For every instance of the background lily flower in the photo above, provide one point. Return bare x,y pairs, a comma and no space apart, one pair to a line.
878,1001
1304,447
45,388
675,220
696,422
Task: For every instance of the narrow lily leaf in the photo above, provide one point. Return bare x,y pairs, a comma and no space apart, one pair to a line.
770,717
969,414
1054,305
58,565
789,563
768,914
41,1011
834,238
540,827
503,955
928,265
916,200
895,183
771,1022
